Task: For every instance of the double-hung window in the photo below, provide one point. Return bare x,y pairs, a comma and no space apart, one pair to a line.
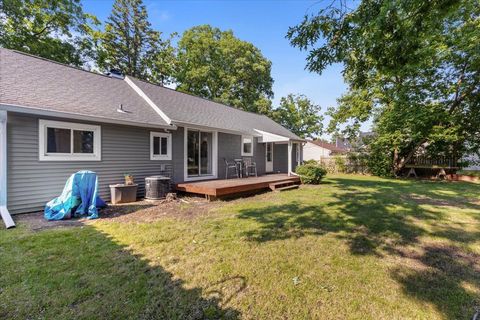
160,146
66,141
247,146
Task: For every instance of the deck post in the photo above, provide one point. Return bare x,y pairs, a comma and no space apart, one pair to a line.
3,171
290,147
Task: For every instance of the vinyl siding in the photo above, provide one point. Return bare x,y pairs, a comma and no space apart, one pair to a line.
32,183
125,149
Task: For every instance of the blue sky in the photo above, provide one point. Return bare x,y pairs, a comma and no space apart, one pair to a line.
263,23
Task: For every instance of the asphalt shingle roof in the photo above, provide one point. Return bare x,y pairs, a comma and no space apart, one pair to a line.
38,83
327,145
186,108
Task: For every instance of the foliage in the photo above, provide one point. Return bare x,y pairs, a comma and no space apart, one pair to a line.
357,162
300,115
411,66
52,29
129,44
216,65
311,173
340,163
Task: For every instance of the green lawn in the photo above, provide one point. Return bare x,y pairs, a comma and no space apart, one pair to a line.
352,248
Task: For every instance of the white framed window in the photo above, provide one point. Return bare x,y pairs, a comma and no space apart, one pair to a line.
66,141
247,146
160,146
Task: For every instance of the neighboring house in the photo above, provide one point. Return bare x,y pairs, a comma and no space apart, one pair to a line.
346,143
59,119
318,149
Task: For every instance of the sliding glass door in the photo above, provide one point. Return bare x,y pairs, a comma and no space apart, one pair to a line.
199,153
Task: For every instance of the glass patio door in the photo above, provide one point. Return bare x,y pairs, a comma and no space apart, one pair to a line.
199,153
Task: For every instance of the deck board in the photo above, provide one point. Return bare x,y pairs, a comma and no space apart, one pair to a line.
218,188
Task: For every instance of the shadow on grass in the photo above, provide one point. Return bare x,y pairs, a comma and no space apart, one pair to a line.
378,217
80,273
373,215
445,276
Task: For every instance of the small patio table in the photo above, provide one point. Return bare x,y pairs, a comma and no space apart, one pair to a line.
239,163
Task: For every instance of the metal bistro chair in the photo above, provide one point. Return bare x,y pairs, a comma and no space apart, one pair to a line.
250,167
229,166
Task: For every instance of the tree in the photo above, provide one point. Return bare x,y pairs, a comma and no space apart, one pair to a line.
216,65
52,29
411,66
298,114
130,45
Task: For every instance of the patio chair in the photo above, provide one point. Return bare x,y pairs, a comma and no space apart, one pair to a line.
229,166
250,167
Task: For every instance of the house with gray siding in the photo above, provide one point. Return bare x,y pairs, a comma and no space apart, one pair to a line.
56,120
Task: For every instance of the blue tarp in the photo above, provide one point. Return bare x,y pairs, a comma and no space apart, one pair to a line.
79,197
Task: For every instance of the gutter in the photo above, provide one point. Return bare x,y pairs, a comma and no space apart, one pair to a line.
76,116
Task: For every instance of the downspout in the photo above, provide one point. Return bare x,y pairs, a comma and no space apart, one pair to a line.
7,218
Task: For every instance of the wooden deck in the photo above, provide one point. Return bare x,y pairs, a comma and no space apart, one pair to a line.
219,188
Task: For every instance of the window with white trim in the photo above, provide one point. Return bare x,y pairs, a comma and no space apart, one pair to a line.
160,146
247,146
66,141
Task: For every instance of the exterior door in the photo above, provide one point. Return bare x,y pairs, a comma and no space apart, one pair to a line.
269,157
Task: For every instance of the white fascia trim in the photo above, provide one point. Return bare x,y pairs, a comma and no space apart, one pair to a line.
75,116
148,100
271,137
208,128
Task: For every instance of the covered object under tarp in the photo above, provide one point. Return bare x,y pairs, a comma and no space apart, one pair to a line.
79,197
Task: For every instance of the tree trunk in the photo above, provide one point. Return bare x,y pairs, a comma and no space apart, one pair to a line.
399,163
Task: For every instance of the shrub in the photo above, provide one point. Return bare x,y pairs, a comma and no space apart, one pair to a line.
311,173
340,164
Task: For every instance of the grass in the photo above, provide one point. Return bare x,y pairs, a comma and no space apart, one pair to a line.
354,247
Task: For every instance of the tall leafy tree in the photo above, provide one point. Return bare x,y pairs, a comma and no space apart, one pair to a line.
411,66
130,45
216,65
298,114
54,29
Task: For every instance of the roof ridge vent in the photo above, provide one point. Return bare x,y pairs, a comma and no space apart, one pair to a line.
115,73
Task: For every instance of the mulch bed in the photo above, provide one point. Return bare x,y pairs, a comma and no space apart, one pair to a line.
136,212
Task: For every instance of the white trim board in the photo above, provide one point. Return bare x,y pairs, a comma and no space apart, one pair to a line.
148,100
7,218
270,137
75,116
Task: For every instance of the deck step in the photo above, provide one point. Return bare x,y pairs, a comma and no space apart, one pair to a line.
289,187
283,184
